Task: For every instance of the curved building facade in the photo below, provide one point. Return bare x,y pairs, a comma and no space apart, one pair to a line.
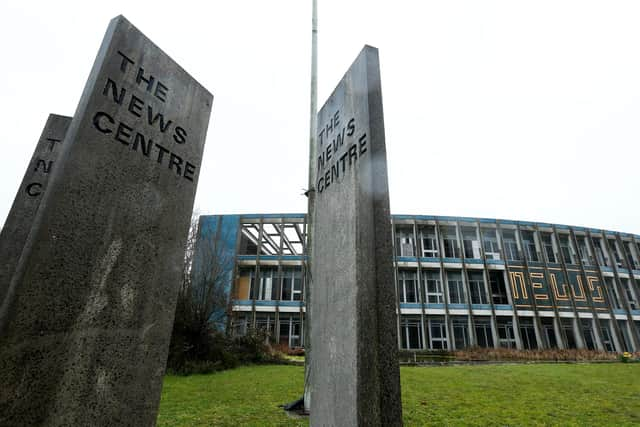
459,282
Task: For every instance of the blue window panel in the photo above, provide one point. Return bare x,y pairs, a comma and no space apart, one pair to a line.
495,261
457,306
452,260
266,303
473,261
487,220
481,306
607,268
244,302
434,306
293,257
503,307
619,311
623,270
290,303
429,259
246,257
410,305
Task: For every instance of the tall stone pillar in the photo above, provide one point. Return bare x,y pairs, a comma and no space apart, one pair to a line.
355,373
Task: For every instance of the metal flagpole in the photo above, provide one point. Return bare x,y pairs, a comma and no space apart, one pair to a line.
311,194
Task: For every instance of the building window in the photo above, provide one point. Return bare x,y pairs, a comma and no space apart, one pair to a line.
510,245
484,337
293,238
528,333
624,332
460,326
498,288
290,331
470,242
266,323
437,333
628,291
605,333
249,239
613,293
433,286
565,248
490,243
411,333
408,286
239,326
631,255
456,288
267,288
506,336
583,251
549,332
548,247
597,246
528,240
476,284
569,332
589,338
613,247
292,284
450,240
405,244
429,242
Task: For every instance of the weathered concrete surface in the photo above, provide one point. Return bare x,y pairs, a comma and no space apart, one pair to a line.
84,339
25,205
355,374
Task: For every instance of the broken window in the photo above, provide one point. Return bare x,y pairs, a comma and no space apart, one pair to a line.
605,333
470,242
405,243
498,287
243,284
293,238
450,241
506,335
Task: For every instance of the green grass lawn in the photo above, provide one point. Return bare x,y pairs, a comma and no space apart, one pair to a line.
500,395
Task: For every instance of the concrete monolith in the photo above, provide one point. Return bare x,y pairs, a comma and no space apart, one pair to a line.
31,191
85,335
355,377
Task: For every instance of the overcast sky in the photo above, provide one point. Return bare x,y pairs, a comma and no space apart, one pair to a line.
517,110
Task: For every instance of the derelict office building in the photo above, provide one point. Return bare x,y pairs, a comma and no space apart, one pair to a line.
458,282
